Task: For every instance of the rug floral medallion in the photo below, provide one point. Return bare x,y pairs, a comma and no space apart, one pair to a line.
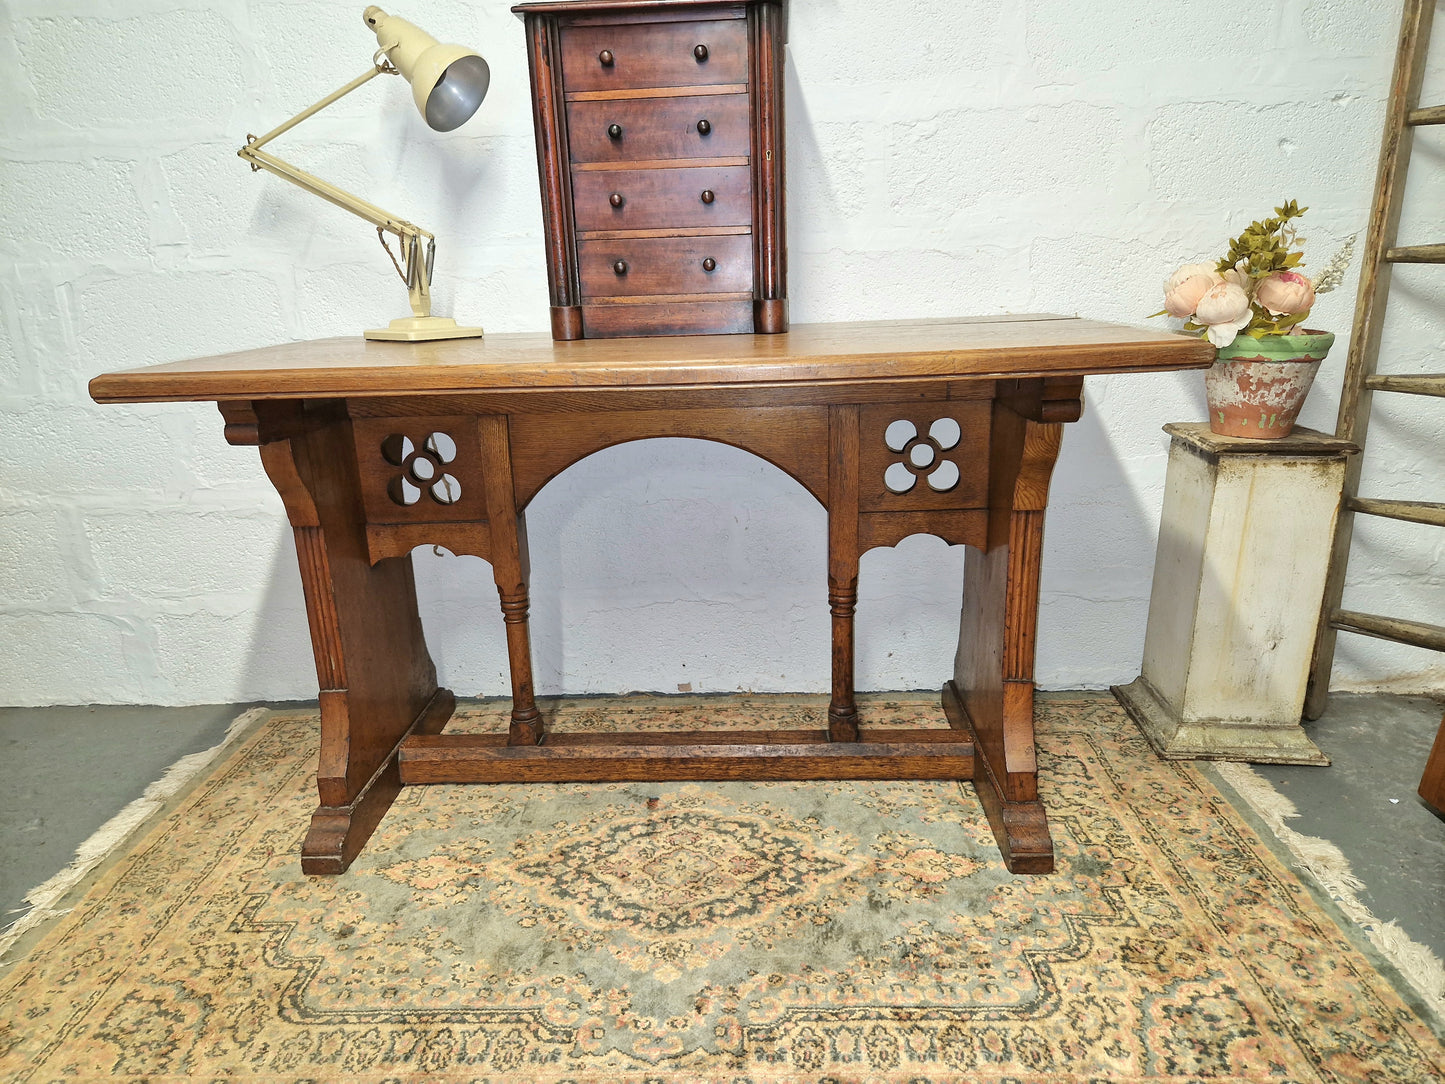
733,933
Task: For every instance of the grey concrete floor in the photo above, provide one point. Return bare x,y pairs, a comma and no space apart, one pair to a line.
1367,803
65,771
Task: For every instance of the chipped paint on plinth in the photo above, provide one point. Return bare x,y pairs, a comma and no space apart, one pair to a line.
1256,387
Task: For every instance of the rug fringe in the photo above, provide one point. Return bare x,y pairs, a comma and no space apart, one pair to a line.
1419,965
114,832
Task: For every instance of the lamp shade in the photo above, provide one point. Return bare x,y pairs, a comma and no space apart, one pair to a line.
447,81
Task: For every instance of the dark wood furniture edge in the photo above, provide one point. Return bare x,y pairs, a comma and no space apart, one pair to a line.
1020,828
770,316
337,833
566,322
568,7
766,25
1432,780
549,118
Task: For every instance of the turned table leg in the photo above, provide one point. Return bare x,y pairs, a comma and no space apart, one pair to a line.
843,566
992,693
377,682
509,567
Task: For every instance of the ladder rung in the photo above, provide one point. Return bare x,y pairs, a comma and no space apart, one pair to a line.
1434,114
1424,384
1417,254
1417,633
1429,512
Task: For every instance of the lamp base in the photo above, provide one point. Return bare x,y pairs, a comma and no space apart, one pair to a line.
413,329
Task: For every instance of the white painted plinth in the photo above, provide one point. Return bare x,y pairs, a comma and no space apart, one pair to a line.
1239,573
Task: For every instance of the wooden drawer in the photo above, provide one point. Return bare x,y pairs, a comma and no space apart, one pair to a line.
654,55
694,126
608,319
663,198
666,265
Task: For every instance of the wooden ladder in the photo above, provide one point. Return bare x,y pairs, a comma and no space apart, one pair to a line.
1361,381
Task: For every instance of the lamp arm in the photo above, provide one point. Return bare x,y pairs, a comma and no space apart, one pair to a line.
329,192
418,262
378,67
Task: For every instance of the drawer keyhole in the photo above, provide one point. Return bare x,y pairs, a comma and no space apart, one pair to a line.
709,265
703,127
707,195
616,199
605,58
700,51
620,267
614,131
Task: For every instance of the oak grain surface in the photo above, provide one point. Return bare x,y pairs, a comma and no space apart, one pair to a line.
857,352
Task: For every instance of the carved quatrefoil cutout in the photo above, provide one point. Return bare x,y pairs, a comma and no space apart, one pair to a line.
922,455
422,469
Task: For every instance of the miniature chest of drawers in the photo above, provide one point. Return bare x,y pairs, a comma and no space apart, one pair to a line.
660,150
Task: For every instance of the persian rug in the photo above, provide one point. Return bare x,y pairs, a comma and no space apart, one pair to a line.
739,933
1416,963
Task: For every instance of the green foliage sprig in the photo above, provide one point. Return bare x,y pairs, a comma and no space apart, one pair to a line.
1262,249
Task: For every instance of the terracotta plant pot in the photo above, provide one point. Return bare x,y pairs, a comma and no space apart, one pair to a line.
1256,387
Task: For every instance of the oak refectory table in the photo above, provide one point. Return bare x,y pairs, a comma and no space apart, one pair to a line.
947,427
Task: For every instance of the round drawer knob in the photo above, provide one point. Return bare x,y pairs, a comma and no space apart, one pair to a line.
614,131
620,267
709,265
616,199
707,195
605,58
703,127
700,51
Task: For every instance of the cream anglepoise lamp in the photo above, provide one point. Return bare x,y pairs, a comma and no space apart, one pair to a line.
449,83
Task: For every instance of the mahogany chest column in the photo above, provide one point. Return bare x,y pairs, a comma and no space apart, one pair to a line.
660,150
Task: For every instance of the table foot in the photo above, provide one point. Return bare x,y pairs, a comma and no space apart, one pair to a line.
843,723
526,729
1020,827
338,833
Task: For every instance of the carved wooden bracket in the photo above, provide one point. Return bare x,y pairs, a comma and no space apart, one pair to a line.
1045,399
264,421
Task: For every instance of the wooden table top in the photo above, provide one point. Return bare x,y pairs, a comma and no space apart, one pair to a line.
998,347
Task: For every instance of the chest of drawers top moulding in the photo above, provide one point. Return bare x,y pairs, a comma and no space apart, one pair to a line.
605,11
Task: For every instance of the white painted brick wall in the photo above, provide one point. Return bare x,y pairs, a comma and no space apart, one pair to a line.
945,157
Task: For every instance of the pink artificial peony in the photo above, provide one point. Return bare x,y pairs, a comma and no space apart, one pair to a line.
1224,309
1186,286
1285,292
1182,299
